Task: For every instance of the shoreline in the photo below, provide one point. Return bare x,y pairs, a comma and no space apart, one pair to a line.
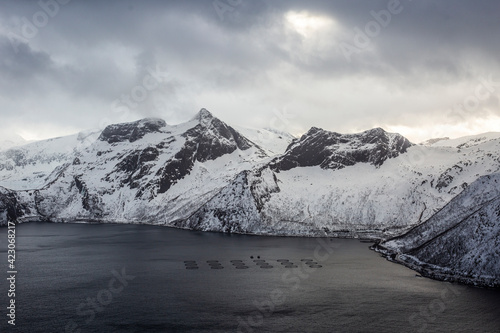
435,272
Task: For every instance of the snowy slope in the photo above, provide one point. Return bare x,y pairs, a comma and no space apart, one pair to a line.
459,243
273,141
29,166
10,140
466,141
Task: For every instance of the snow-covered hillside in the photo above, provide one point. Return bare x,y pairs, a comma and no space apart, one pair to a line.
273,141
30,166
466,141
461,242
10,140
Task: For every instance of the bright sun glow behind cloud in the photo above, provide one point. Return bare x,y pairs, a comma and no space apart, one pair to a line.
308,24
251,60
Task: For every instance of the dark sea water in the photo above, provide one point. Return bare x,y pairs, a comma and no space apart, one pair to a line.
133,278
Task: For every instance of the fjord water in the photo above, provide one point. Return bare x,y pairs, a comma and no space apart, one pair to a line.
133,278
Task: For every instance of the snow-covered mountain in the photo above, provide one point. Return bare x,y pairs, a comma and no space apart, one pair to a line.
461,242
9,140
144,171
206,175
30,166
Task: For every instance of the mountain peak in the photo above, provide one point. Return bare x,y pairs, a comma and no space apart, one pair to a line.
331,150
151,121
313,130
376,131
131,131
203,116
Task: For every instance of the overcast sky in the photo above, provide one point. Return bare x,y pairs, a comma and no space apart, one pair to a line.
421,68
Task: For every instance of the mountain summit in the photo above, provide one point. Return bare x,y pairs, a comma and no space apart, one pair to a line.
331,150
203,116
208,140
131,131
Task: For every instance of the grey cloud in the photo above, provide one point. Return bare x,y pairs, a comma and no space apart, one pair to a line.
20,71
93,52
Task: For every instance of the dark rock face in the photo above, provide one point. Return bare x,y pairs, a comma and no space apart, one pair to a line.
90,202
446,178
443,181
215,139
331,150
135,165
208,140
261,189
131,131
10,207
